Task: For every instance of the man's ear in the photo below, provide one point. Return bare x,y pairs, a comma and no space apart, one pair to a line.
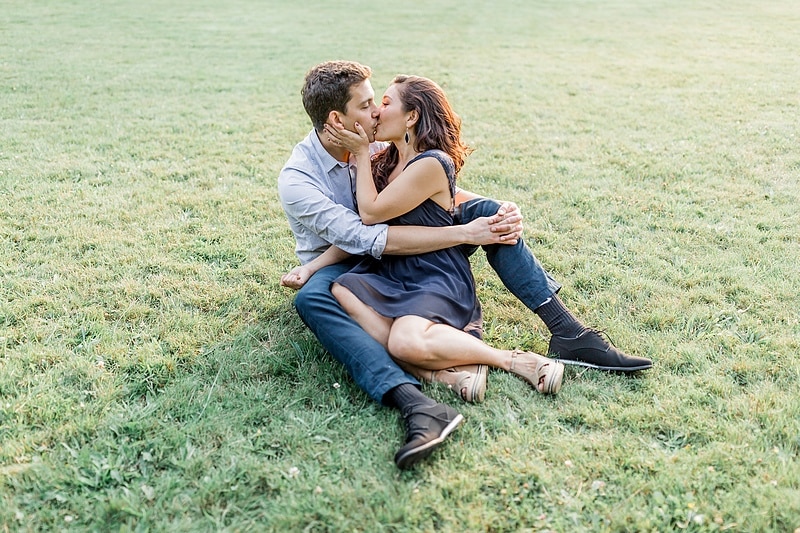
335,119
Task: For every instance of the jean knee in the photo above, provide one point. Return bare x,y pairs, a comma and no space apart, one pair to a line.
480,207
301,304
306,301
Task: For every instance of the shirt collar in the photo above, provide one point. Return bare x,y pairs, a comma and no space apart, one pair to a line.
328,161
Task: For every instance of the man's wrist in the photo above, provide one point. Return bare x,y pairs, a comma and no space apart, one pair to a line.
465,235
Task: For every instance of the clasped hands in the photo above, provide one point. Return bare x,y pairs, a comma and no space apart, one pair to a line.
505,226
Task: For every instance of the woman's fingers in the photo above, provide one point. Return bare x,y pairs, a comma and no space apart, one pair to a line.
345,138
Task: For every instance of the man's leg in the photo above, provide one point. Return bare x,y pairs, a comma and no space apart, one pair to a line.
525,278
367,362
427,423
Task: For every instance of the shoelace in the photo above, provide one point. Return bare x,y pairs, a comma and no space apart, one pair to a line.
602,333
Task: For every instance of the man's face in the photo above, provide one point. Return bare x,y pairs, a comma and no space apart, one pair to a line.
361,108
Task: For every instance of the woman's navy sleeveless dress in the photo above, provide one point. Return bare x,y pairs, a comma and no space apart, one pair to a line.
437,285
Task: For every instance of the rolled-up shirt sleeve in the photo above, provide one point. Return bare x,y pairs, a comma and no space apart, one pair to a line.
318,221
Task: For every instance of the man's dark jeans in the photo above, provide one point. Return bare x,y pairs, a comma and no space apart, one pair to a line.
516,266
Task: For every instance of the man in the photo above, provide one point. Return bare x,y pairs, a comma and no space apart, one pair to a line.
316,190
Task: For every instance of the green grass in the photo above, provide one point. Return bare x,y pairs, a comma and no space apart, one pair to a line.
154,376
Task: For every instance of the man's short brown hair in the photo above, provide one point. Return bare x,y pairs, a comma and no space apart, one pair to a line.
327,88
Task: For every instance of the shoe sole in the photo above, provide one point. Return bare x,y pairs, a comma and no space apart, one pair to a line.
553,382
415,455
625,369
478,391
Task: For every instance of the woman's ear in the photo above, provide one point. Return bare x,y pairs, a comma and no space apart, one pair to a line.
412,119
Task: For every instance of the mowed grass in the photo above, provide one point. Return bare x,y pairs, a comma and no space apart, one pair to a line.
154,376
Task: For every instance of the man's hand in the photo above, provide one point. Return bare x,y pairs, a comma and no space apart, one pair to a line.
297,277
507,222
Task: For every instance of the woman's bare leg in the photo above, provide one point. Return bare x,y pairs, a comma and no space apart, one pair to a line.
417,342
438,346
377,325
427,344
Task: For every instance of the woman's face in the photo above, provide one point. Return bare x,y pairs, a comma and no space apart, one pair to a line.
391,117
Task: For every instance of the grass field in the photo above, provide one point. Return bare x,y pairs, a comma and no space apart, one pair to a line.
154,376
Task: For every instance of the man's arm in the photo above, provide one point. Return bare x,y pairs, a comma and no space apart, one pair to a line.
410,240
313,212
342,227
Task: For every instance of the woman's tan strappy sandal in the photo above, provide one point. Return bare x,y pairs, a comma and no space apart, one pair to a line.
468,381
543,373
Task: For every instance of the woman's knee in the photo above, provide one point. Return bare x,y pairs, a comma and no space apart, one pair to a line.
401,347
406,342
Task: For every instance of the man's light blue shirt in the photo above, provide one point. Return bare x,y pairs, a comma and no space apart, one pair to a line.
317,193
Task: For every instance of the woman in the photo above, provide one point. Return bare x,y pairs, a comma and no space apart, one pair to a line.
419,306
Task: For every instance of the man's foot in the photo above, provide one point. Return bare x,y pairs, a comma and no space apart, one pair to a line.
591,350
426,429
468,381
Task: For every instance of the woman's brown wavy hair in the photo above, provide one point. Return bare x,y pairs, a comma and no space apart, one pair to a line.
438,126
